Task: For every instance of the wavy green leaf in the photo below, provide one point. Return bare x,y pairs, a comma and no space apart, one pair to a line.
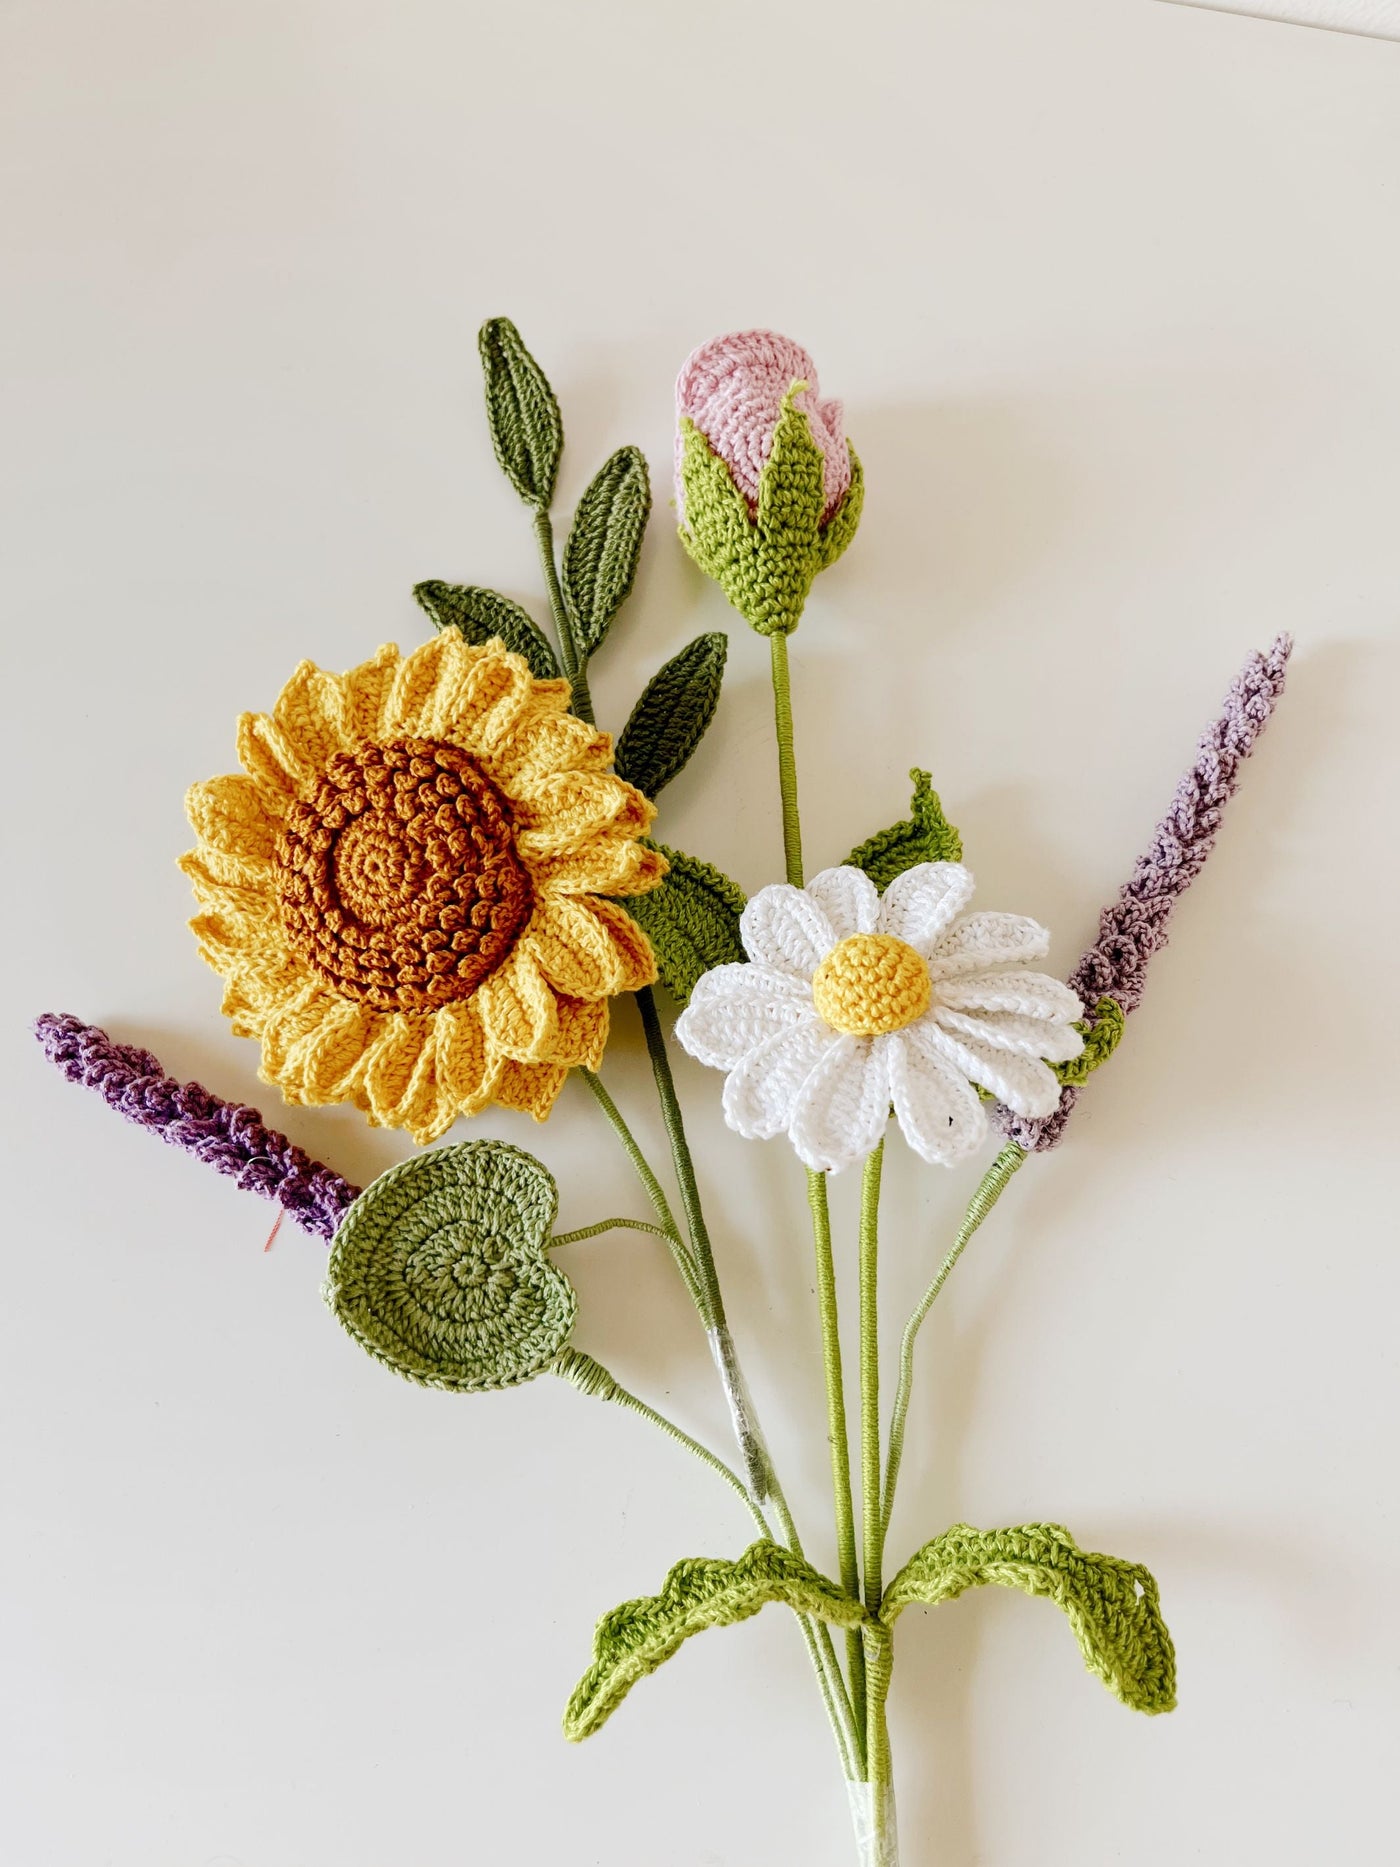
481,614
698,1593
527,430
1111,1605
673,714
925,836
605,543
692,921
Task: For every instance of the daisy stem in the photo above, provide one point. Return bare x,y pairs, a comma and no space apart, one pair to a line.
838,1432
575,662
872,1518
992,1185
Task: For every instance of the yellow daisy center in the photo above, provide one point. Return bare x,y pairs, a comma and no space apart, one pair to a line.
871,984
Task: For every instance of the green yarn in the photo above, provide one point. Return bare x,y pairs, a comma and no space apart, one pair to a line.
691,920
1101,1034
673,715
765,561
485,615
925,836
1111,1606
636,1638
527,430
439,1269
605,544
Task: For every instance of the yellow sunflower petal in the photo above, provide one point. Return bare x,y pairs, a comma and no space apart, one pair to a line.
365,691
612,865
285,1025
229,814
415,703
518,1010
307,714
583,953
394,1067
219,883
568,809
530,1087
583,1033
329,1062
274,764
544,742
467,1070
488,699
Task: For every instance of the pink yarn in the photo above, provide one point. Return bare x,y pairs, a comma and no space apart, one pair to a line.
732,388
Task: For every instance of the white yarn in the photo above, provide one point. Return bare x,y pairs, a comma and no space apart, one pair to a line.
990,1022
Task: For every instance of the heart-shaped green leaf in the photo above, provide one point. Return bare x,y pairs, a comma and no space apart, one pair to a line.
1111,1605
702,1592
926,836
605,544
670,719
692,921
527,430
482,615
439,1269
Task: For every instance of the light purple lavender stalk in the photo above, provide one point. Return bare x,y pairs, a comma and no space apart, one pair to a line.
225,1135
1133,927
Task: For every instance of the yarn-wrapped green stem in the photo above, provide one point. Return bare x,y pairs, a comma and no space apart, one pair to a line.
670,1231
871,1515
838,1432
575,662
989,1191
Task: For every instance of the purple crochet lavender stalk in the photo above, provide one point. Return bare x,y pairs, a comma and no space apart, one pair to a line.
1133,927
225,1135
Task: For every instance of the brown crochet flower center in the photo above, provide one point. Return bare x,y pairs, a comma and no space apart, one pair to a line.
399,881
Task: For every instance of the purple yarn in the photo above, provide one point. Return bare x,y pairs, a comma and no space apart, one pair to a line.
225,1135
1133,927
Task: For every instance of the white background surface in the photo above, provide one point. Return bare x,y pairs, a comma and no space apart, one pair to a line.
1111,292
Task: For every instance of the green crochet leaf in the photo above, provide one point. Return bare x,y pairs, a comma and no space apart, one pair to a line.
927,836
672,716
702,1592
1101,1034
484,614
527,430
439,1269
840,528
1111,1605
691,920
605,543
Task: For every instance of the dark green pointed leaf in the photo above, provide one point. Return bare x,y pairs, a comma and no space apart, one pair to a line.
605,543
702,1592
527,430
670,719
692,921
926,836
1111,1605
482,614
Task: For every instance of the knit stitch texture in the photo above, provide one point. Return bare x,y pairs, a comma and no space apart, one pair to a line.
1132,928
228,1136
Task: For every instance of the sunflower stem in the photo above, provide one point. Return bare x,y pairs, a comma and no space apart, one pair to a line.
575,661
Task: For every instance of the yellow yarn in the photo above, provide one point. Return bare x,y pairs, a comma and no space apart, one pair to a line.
871,984
402,889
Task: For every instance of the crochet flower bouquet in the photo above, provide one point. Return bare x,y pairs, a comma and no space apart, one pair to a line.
433,874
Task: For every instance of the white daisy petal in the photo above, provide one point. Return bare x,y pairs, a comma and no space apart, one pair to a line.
734,1009
976,941
938,1110
1028,1037
1031,994
781,927
918,905
842,1108
759,1095
848,898
1024,1084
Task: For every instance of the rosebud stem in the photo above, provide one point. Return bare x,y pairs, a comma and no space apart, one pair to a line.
787,757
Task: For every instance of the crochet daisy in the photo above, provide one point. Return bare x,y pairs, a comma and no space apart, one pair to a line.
403,889
853,1003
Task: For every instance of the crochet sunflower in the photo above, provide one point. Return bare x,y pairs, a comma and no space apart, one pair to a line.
404,889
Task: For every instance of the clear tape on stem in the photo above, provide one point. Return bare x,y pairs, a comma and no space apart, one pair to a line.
872,1818
747,1431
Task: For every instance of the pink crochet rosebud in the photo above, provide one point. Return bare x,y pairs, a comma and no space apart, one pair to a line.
768,488
733,387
